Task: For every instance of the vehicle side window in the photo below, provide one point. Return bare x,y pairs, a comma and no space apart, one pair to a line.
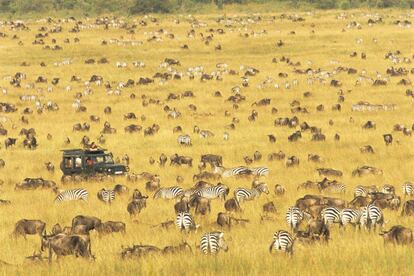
78,162
68,162
99,159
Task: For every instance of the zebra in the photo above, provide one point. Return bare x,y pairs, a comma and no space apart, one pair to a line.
73,194
218,191
169,192
237,171
371,215
282,241
260,171
241,194
350,216
212,242
185,222
364,190
331,215
408,189
106,196
184,140
294,217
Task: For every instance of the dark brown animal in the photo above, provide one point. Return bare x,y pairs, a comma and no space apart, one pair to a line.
398,235
29,227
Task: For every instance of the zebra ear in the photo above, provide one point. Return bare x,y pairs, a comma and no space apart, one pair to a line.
221,235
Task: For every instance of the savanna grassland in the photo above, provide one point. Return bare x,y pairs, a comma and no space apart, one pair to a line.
321,41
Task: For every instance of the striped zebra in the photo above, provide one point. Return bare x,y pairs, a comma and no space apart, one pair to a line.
212,242
282,241
74,194
242,194
237,171
184,140
185,222
260,171
294,217
218,191
350,216
408,189
331,215
106,196
364,190
169,192
388,189
371,216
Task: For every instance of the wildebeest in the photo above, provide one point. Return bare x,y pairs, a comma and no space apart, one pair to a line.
109,227
201,204
89,221
329,172
181,160
212,159
232,205
269,207
136,206
29,227
10,142
408,208
63,245
398,235
182,247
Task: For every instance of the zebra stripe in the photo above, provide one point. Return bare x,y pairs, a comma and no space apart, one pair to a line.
106,196
350,216
184,140
294,216
337,188
408,188
184,221
371,216
331,215
218,191
242,194
282,241
74,194
237,171
212,242
169,192
260,171
364,190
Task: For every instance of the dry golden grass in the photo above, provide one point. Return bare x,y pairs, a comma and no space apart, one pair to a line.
349,252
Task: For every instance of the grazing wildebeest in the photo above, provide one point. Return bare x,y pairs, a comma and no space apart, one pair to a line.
111,227
408,208
29,227
359,201
398,235
89,221
181,160
63,245
212,159
182,247
329,172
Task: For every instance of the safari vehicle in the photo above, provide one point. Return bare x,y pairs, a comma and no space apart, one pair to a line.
90,163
